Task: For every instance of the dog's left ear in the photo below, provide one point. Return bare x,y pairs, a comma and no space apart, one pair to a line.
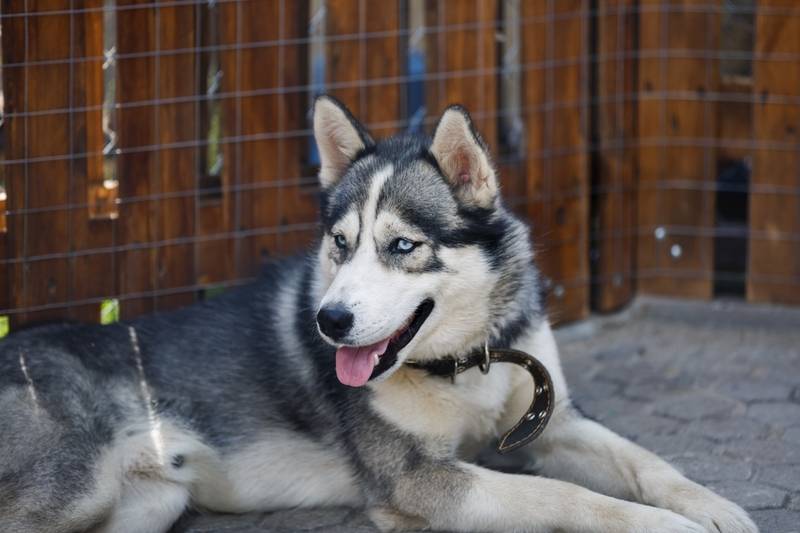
339,136
464,159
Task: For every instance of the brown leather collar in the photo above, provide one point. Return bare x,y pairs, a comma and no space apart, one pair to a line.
538,414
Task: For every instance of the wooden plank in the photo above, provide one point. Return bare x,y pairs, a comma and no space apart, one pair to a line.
215,255
534,55
91,273
462,61
176,167
356,62
677,168
298,198
41,183
556,88
773,273
13,36
343,66
511,108
614,165
356,65
258,153
138,222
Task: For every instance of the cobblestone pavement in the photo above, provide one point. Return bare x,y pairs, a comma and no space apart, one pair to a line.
712,387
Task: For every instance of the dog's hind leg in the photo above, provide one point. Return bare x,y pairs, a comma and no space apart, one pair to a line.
149,473
146,506
573,448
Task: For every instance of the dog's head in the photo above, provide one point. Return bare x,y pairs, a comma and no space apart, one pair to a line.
417,252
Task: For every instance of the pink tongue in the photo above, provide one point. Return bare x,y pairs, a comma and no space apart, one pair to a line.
354,364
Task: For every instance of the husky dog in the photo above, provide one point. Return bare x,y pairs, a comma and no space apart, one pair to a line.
296,390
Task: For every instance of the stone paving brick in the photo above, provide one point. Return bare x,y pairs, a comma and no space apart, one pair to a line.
727,429
792,436
753,496
752,391
712,386
777,521
784,476
676,445
708,468
694,405
767,451
794,502
779,414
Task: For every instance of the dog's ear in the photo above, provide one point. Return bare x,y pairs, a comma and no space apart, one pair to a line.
340,137
464,159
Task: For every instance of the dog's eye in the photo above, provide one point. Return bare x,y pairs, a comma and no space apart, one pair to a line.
341,242
403,246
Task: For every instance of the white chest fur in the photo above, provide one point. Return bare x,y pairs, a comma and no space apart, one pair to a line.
433,408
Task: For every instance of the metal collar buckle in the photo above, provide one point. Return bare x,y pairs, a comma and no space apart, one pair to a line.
487,362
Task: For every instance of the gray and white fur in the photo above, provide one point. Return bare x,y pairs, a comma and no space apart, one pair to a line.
238,404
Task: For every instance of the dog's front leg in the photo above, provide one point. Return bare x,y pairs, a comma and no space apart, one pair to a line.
575,449
457,496
585,452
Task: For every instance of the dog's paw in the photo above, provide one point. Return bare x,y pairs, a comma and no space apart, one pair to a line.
712,511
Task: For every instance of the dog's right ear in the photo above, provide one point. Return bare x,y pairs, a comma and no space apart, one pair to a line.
340,137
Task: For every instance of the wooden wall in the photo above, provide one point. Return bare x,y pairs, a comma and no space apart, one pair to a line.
774,258
627,119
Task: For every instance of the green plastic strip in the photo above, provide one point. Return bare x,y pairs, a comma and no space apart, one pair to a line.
109,311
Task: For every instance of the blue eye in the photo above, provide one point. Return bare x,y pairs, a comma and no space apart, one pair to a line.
403,246
341,242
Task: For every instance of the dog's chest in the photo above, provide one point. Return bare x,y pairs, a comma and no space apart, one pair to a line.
434,408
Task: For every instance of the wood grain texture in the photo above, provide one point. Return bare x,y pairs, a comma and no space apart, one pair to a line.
462,62
557,92
13,174
361,68
624,137
677,170
215,248
92,275
614,163
298,198
773,273
40,183
175,168
139,220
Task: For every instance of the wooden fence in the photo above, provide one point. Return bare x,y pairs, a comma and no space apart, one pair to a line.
153,152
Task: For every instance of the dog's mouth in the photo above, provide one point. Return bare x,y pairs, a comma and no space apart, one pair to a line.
355,365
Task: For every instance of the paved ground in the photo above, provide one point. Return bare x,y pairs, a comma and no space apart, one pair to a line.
713,387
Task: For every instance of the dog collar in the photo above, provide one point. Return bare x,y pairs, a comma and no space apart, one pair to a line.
538,414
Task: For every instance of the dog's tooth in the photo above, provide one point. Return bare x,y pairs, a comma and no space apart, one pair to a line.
376,358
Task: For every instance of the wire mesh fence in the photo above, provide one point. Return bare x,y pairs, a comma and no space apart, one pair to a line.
152,153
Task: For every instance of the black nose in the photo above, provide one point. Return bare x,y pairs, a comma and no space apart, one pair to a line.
335,321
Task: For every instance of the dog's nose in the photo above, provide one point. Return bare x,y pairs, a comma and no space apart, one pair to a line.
335,321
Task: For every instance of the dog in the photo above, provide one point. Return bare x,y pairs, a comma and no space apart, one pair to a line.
297,390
